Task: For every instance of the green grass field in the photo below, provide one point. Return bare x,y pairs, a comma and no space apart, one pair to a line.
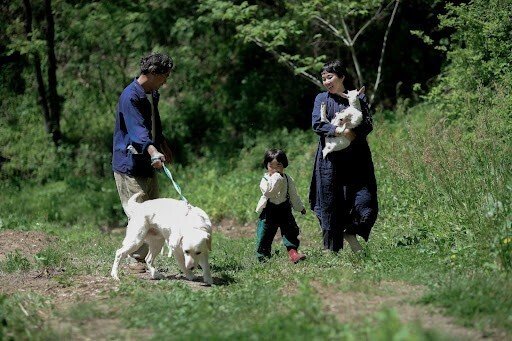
437,266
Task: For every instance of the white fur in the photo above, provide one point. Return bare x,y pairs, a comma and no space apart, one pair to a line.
349,118
186,229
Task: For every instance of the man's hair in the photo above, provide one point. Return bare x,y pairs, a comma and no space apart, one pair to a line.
156,63
334,66
277,154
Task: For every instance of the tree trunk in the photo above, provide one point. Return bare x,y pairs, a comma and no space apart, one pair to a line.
42,100
53,97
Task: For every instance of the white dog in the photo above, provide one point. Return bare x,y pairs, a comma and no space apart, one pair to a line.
349,118
186,229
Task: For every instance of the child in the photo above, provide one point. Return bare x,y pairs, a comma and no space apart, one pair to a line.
279,195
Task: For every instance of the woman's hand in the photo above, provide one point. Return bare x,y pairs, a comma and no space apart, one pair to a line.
349,134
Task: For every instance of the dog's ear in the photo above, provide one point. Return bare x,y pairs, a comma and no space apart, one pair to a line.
361,91
344,95
175,240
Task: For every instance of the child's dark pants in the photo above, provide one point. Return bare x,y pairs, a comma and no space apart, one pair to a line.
273,217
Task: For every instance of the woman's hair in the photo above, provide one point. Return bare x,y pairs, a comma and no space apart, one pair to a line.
156,63
277,154
334,66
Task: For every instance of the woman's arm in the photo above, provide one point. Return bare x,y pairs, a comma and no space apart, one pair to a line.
321,128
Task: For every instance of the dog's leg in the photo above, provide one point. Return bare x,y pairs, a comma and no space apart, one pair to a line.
180,259
135,234
207,275
323,112
155,246
127,248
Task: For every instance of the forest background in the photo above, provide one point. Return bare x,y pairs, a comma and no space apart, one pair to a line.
438,75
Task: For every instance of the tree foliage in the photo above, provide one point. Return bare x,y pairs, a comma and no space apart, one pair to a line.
479,68
233,59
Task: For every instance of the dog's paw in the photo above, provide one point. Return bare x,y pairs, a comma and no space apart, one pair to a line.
157,276
114,276
190,277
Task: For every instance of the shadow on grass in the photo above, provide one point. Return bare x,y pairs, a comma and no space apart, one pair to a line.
224,279
235,267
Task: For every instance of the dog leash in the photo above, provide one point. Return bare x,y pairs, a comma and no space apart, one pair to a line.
176,186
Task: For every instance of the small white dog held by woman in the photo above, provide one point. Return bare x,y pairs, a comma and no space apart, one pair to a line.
349,118
186,229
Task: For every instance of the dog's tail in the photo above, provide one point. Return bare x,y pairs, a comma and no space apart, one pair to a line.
132,203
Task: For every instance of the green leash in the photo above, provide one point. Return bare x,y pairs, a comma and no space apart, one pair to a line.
176,186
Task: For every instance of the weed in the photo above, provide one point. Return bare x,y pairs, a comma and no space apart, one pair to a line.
15,262
50,258
22,317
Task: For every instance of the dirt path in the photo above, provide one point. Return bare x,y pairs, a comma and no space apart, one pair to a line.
346,306
356,306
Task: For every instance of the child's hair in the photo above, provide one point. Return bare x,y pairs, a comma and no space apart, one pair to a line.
277,154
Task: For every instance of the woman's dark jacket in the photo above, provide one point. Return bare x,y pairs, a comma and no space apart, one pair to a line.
343,191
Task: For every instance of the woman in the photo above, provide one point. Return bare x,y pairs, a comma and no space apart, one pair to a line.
343,191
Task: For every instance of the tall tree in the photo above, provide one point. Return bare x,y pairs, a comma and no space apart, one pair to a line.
299,33
48,99
53,97
42,100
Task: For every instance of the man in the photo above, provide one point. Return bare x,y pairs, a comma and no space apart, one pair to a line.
138,144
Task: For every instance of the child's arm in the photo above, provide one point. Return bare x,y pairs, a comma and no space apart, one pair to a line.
295,199
271,186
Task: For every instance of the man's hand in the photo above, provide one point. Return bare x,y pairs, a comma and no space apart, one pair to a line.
157,158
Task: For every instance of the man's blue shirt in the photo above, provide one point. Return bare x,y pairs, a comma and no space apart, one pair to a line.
133,127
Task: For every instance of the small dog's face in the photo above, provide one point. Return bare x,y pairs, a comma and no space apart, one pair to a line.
352,97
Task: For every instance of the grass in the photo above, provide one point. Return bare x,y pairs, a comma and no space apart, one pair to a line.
445,224
270,300
15,262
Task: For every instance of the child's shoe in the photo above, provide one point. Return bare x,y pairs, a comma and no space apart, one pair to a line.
295,257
